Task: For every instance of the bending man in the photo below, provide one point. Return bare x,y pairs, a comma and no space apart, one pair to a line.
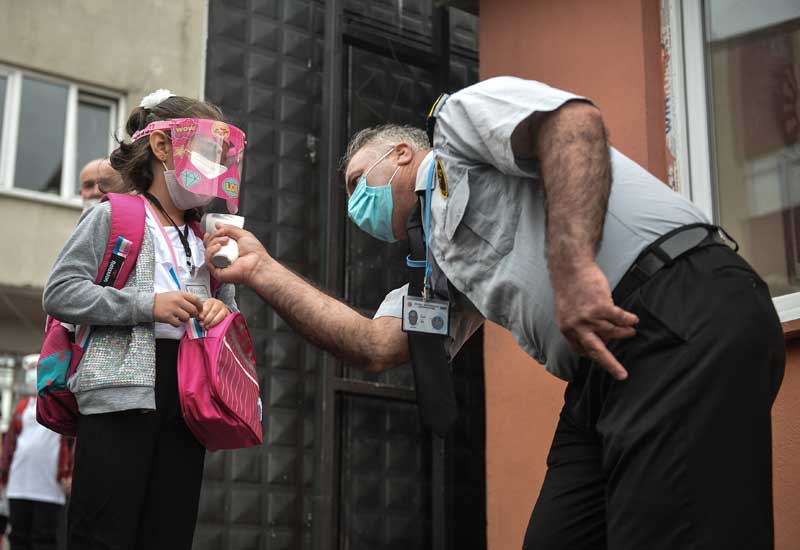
533,221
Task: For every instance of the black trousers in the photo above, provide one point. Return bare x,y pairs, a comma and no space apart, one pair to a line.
34,524
679,455
137,477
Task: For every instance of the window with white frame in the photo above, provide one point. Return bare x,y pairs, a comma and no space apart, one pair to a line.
734,91
49,129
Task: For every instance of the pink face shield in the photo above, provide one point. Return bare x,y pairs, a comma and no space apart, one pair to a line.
207,155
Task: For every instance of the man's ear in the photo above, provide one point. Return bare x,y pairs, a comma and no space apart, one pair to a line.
404,153
161,146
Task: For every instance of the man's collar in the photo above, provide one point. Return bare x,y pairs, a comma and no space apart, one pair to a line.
422,172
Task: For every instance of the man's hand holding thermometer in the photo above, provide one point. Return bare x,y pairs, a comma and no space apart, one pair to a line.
229,252
233,254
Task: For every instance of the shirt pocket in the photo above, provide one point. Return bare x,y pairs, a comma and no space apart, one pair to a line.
482,202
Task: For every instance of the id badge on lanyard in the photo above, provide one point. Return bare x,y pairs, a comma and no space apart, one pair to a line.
423,314
199,284
426,316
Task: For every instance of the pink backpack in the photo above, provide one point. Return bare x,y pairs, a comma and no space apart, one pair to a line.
218,386
61,353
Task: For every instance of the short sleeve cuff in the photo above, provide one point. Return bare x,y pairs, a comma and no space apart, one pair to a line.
392,305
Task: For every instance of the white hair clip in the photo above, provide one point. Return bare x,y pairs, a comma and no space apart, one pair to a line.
151,100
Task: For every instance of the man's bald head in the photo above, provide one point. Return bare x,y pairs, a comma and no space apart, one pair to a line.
98,178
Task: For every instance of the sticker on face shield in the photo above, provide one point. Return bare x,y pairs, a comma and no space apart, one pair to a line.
189,178
188,128
231,187
221,130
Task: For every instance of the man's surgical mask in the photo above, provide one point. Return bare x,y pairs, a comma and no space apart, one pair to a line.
371,208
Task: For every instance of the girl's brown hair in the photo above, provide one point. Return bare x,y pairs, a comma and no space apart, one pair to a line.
133,160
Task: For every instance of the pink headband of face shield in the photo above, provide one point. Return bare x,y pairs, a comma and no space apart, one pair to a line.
207,155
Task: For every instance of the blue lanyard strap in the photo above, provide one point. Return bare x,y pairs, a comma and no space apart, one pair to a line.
415,264
418,264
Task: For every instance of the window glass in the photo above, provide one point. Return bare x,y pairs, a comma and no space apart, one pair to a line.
40,144
94,123
3,84
754,60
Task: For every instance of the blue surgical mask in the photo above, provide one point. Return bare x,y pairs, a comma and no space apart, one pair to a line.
371,208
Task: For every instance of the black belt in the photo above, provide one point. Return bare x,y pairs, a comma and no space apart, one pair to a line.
664,251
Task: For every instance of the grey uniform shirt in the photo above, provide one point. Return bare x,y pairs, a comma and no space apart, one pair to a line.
487,234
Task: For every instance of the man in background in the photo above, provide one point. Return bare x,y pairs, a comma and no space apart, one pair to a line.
98,178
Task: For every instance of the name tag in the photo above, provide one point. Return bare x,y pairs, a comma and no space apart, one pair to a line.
200,286
199,290
426,317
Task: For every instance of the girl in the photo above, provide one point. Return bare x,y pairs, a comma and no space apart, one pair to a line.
138,468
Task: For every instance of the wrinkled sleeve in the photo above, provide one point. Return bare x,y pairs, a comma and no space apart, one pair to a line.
71,294
392,305
478,122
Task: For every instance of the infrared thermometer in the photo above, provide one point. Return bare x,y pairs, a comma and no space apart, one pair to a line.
230,251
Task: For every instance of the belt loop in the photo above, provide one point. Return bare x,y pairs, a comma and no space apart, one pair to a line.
663,256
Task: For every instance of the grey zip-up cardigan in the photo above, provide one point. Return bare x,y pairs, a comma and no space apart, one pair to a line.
117,372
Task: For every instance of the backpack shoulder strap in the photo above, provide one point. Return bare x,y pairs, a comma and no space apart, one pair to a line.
124,239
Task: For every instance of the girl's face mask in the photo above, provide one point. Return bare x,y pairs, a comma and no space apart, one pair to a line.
183,198
207,155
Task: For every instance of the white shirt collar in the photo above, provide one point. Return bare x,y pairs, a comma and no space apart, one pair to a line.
422,172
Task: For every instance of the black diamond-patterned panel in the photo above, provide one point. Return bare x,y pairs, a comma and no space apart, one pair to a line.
385,477
264,69
463,72
381,446
463,32
406,16
381,90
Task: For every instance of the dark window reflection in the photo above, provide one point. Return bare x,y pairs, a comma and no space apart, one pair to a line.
3,83
94,123
40,143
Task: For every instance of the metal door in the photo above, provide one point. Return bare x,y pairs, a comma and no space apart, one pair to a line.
344,464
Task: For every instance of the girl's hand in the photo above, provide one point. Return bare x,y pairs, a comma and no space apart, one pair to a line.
175,307
214,311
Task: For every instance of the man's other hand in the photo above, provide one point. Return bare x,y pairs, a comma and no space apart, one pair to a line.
588,318
252,255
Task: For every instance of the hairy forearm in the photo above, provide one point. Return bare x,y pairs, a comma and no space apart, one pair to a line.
327,322
576,172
